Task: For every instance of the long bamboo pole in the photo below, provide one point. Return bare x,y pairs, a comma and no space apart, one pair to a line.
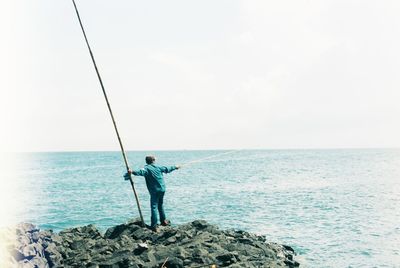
111,113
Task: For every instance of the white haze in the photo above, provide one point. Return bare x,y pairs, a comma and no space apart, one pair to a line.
200,74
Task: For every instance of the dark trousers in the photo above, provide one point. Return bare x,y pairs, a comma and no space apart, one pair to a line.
156,203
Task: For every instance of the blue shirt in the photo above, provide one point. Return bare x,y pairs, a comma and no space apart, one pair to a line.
154,176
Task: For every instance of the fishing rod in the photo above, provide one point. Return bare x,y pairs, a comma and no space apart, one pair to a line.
111,113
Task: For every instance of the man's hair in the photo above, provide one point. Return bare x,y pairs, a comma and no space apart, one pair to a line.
150,159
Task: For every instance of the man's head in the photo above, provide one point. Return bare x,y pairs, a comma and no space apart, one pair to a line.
150,159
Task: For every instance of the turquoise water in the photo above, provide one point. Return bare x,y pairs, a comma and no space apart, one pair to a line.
337,208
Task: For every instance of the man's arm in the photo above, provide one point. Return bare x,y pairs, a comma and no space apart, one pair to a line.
169,169
140,172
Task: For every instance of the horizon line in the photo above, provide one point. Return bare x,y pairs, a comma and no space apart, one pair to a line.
218,149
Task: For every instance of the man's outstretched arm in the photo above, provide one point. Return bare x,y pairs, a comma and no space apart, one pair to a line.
169,169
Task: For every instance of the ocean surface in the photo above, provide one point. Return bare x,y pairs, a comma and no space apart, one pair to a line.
336,208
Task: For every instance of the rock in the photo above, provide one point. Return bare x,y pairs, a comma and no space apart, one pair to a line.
170,240
149,258
23,228
23,240
143,246
180,253
29,251
39,262
288,248
291,263
173,263
200,224
35,237
130,245
118,230
53,257
77,244
17,255
141,233
227,258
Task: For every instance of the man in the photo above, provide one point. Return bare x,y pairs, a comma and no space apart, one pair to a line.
156,186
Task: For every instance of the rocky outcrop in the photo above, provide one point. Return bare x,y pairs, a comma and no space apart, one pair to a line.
196,244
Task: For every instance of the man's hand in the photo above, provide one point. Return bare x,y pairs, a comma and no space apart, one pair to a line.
127,175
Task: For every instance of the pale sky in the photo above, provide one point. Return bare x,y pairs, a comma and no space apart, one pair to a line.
200,74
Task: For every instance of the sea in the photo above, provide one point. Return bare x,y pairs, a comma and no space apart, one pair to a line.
336,208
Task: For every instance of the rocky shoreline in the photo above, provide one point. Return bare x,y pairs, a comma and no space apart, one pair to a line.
195,244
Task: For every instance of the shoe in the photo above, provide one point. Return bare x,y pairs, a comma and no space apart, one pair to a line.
166,223
154,229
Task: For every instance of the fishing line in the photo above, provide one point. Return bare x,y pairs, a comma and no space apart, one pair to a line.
209,157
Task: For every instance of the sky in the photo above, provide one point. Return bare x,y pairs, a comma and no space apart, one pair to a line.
185,75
